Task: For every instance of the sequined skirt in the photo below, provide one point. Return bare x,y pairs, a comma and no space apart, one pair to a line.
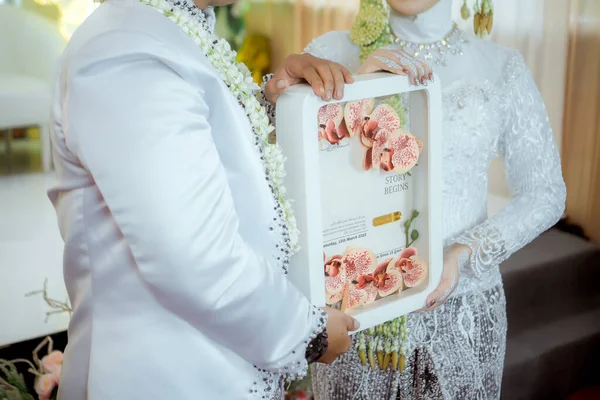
454,352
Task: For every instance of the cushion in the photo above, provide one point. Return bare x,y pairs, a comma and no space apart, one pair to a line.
24,101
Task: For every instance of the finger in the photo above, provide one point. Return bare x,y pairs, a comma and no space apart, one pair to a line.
312,77
352,324
390,65
420,71
412,66
431,305
442,293
338,80
436,294
427,72
411,72
327,77
275,87
348,77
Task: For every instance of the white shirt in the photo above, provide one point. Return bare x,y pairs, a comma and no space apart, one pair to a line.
165,212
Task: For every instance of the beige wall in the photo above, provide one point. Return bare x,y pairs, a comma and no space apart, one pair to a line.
291,26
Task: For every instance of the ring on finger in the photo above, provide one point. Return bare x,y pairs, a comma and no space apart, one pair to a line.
410,66
412,60
391,64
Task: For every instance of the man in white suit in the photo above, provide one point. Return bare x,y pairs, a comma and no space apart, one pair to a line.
174,240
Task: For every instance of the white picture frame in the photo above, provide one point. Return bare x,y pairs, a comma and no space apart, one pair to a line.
297,134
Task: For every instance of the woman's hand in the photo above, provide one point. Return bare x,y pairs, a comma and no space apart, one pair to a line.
399,63
326,78
454,257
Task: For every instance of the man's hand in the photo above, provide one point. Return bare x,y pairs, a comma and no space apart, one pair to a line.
326,78
339,342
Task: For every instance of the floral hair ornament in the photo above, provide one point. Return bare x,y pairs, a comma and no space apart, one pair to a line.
370,30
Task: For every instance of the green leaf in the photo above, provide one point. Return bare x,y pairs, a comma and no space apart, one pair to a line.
15,378
414,235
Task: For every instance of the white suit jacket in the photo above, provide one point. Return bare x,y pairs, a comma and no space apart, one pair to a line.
165,213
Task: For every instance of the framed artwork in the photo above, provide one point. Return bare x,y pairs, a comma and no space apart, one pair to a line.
365,176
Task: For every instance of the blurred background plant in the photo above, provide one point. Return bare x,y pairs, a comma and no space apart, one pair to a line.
256,54
231,22
253,49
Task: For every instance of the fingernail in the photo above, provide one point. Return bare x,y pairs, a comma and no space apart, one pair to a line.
281,84
356,325
329,93
431,304
339,93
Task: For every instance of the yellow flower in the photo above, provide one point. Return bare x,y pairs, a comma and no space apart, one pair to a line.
256,54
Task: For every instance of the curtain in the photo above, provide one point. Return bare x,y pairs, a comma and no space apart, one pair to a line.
581,140
292,24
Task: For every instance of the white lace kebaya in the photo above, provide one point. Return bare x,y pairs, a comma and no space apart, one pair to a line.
491,108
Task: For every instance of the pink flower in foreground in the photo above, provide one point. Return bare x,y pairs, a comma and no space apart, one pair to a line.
44,385
301,395
52,363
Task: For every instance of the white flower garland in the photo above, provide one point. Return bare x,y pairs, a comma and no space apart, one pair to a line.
239,80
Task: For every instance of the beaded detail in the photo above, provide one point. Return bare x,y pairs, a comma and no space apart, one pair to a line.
435,52
238,79
317,348
269,384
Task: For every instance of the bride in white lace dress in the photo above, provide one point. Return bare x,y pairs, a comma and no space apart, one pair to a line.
491,107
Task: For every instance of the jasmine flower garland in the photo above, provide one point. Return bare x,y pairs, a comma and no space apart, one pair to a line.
239,80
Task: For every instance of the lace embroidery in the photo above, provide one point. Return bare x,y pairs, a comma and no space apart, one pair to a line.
456,352
533,171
